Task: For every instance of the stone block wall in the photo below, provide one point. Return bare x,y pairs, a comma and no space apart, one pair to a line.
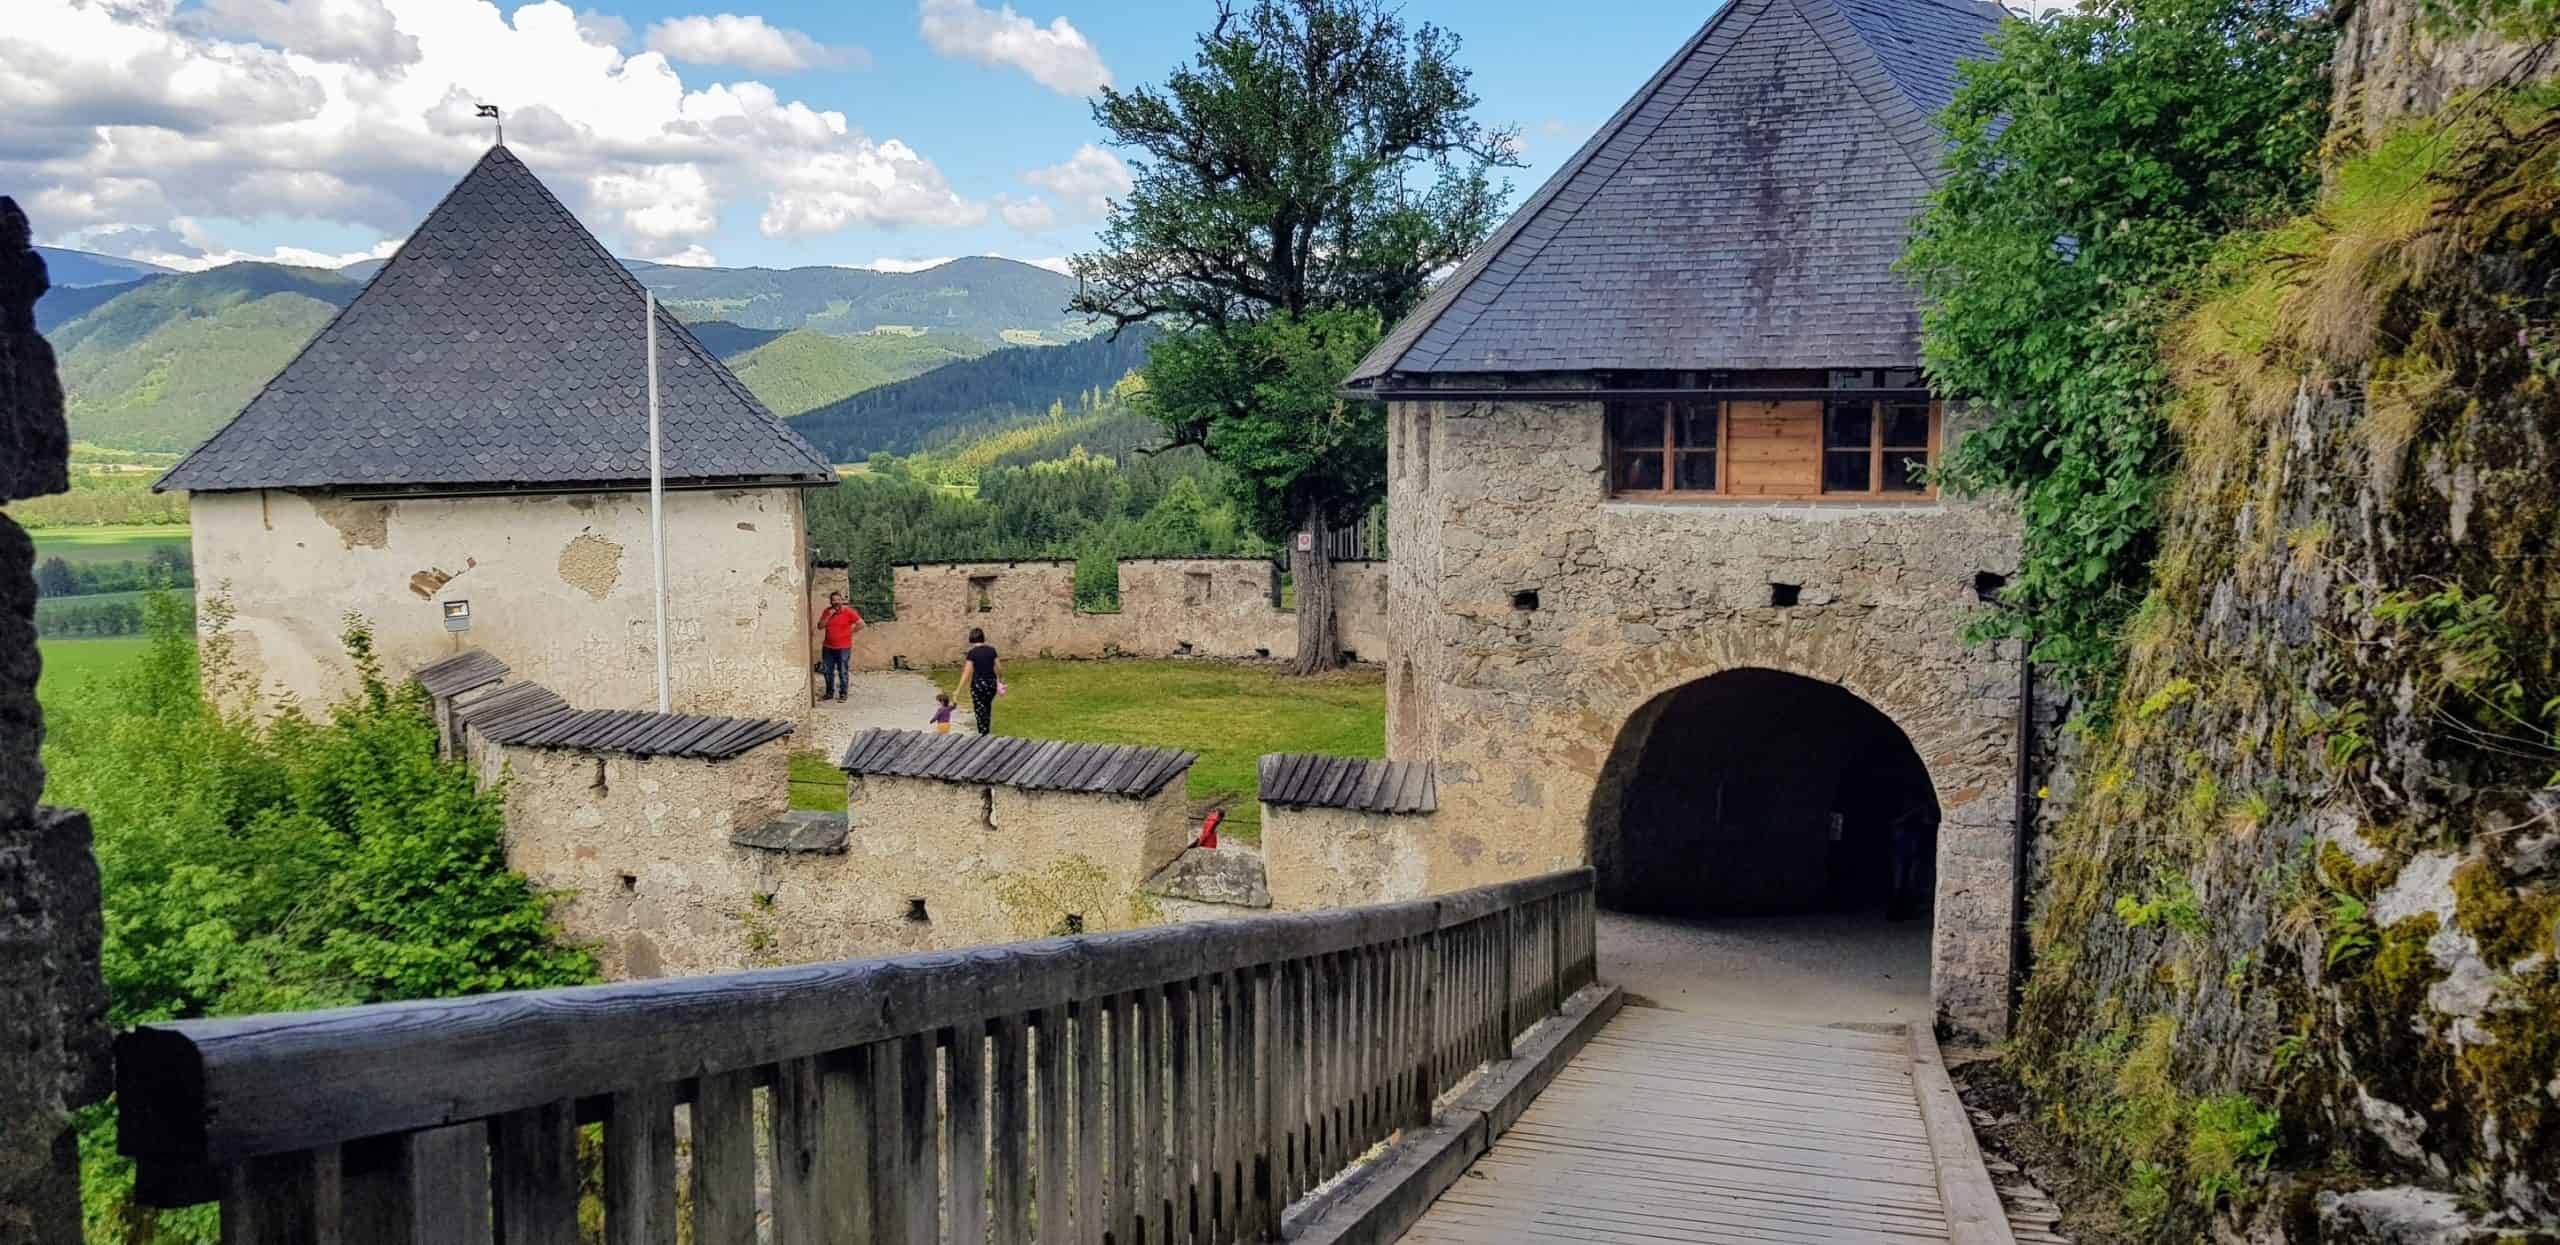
1169,607
1339,858
53,1031
1535,620
639,848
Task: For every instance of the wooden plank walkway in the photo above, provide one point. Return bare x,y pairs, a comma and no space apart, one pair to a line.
1677,1126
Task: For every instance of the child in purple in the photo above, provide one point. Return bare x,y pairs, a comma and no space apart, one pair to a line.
942,713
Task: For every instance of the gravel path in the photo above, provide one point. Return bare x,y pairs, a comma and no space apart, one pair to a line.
1825,969
901,699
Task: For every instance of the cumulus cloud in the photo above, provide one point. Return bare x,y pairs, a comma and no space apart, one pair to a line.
746,42
1056,56
1054,263
690,257
888,263
135,114
1028,215
190,247
360,31
1089,179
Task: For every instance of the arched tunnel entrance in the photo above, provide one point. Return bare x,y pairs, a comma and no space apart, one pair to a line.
1758,793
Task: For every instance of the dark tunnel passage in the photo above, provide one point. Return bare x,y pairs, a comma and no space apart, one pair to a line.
1754,792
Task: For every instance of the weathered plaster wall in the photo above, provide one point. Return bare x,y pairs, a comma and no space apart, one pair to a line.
1337,858
639,848
560,587
1523,708
1169,607
2391,64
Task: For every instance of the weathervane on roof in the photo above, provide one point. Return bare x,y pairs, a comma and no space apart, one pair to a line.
491,112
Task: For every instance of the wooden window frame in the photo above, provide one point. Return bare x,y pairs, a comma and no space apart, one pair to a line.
1815,492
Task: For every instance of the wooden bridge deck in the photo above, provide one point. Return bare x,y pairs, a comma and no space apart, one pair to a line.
1678,1126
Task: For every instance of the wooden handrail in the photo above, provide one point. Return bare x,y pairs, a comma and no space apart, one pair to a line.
1238,1063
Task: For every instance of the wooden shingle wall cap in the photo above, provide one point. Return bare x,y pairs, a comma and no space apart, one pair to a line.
461,673
1129,770
529,715
1304,780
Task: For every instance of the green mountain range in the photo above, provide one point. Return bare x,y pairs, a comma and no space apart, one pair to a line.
805,368
156,360
973,395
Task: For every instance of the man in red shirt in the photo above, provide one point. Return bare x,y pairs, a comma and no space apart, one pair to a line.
836,625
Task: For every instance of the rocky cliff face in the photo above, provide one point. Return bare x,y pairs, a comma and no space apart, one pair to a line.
2298,932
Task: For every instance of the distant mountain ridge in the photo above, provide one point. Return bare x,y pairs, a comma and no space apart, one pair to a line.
68,267
158,360
1005,385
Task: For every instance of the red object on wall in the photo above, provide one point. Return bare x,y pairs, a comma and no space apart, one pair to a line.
1209,829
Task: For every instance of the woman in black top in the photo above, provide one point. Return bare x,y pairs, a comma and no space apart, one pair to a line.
979,667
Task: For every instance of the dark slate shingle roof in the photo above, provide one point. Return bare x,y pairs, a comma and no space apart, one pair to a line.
501,346
1030,764
529,715
1304,780
461,672
1743,210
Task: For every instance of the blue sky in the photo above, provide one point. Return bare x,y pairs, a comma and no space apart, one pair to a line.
775,133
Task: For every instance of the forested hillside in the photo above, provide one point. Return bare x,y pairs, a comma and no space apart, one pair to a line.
976,297
979,394
164,363
805,368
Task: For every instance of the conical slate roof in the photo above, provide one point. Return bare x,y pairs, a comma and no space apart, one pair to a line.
501,347
1744,210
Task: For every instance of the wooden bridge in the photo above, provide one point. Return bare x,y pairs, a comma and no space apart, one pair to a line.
1446,1070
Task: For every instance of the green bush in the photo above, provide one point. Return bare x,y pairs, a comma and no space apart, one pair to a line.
273,865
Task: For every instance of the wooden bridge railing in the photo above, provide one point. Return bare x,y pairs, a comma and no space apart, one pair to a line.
1179,1083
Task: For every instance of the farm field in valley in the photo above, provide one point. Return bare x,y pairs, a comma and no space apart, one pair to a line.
1229,713
119,542
70,662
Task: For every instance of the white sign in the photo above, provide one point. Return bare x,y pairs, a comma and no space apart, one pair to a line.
1306,541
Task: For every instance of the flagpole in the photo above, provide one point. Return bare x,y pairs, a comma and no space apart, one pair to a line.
657,502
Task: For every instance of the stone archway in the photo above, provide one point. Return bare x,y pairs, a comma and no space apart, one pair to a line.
1758,792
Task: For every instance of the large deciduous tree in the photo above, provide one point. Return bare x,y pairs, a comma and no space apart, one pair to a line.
1295,187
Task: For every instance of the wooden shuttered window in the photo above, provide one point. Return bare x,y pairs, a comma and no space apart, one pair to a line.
1844,449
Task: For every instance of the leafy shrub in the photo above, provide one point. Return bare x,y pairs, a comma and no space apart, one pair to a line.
256,866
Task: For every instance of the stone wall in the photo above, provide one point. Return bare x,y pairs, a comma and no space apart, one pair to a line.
1339,858
1169,607
53,1031
639,850
560,588
1535,621
645,853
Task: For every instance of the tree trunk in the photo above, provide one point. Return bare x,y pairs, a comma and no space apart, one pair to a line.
1311,569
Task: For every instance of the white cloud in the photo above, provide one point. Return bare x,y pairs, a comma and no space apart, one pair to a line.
690,257
1056,56
604,28
189,247
746,42
1028,215
357,31
1054,263
133,113
1089,179
887,263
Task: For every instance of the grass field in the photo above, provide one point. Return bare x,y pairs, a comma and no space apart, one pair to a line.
67,663
124,542
1230,714
816,784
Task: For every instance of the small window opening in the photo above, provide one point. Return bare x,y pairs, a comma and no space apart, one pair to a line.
982,593
1074,923
1525,599
630,883
1262,652
987,807
1784,595
1182,648
1987,586
599,783
916,912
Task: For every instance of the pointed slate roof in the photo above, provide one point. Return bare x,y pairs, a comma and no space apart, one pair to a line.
1743,210
501,347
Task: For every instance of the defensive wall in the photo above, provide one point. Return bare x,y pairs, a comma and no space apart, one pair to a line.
1169,607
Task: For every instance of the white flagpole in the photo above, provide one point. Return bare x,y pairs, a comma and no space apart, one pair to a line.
657,503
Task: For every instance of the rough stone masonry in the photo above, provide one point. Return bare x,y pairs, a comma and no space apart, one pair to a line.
53,1034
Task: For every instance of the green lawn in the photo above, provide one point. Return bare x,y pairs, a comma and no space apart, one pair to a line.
1231,714
816,783
118,542
67,663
